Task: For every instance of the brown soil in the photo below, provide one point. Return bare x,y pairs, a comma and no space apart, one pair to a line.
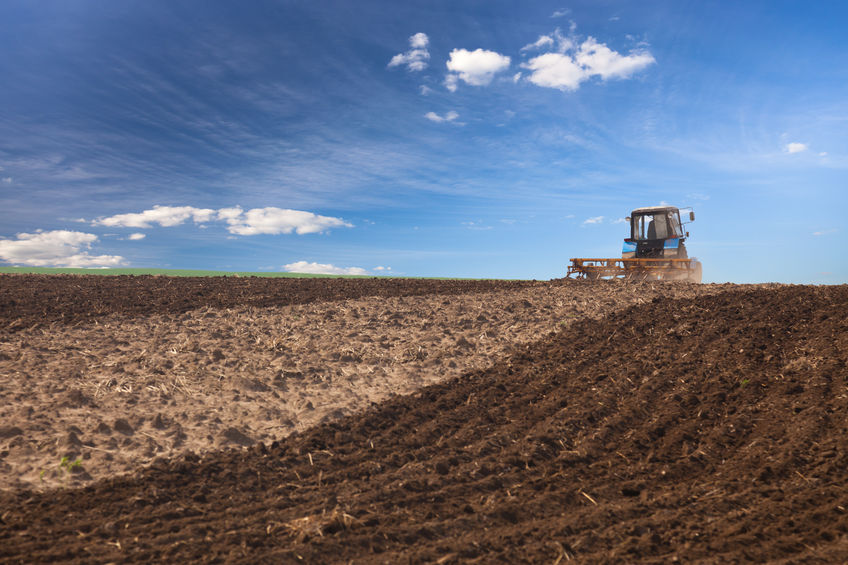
119,391
709,428
38,300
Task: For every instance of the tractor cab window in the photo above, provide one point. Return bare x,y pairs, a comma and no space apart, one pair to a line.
660,225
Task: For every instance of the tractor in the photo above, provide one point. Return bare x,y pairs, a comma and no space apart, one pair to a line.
655,250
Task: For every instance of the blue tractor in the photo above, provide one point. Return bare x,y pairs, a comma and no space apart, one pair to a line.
655,250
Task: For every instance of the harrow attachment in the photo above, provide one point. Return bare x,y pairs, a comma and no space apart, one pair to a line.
636,269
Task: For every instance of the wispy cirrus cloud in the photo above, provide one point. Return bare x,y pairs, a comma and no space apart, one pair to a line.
323,269
57,248
416,57
448,117
269,220
593,220
825,232
556,41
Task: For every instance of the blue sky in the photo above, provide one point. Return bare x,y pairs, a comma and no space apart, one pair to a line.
473,139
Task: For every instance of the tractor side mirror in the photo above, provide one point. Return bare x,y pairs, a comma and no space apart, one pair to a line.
692,216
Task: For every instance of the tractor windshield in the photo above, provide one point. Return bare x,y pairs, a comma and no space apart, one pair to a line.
658,225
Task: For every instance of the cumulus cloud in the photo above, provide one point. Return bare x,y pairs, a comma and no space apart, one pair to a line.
322,269
569,66
598,59
58,248
274,221
795,147
594,220
561,13
166,216
8,180
555,70
434,117
416,57
269,220
382,268
136,236
476,68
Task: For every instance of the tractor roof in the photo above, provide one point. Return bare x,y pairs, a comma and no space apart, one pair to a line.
652,209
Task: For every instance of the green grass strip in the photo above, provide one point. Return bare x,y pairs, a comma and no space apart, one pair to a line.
164,272
192,273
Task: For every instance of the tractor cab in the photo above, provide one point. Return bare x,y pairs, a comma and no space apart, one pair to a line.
656,232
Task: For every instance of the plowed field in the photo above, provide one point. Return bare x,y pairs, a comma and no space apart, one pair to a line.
596,422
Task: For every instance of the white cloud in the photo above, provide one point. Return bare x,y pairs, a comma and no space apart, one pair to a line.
382,268
476,68
136,236
594,220
434,117
58,248
561,13
823,154
620,221
555,41
825,232
274,221
416,57
322,269
555,70
230,214
8,180
568,68
166,216
425,90
795,147
419,41
450,82
269,220
600,60
543,41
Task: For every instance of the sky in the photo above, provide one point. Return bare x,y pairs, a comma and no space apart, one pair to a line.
422,138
